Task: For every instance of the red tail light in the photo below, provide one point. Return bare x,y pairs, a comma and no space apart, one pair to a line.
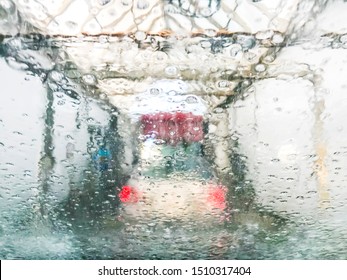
217,196
128,195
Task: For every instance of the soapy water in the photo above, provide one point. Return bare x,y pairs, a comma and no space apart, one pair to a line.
64,165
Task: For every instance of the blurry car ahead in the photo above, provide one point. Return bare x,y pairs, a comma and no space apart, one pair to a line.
172,181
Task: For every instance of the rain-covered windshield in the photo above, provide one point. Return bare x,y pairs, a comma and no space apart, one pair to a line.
173,129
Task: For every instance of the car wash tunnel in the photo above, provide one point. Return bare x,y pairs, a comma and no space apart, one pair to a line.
173,129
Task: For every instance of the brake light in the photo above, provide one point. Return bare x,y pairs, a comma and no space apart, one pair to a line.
217,196
128,195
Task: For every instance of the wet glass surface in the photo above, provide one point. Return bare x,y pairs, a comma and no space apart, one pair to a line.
216,145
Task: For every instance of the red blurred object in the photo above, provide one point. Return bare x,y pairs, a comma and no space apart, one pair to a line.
174,127
128,195
217,196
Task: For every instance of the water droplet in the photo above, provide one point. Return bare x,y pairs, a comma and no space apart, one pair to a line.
171,70
246,42
269,58
250,56
103,96
214,69
71,24
219,110
125,2
142,4
16,43
191,99
343,38
17,132
56,76
159,141
90,120
211,32
160,55
223,84
103,39
59,94
277,38
205,44
104,2
27,173
235,50
89,79
12,62
206,12
172,93
170,9
260,67
154,91
140,35
262,35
